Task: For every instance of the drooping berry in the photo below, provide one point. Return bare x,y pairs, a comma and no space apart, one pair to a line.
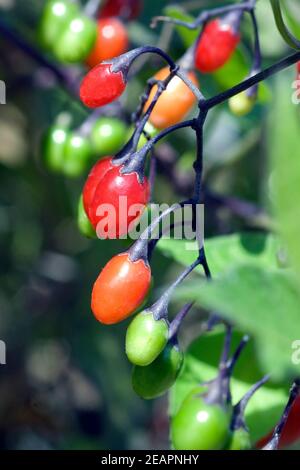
216,45
146,337
174,103
112,41
155,379
101,86
56,15
83,223
119,200
77,153
241,104
53,147
120,288
199,425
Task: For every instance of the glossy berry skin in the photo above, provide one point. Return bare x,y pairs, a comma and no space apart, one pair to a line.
108,136
112,41
77,153
241,104
76,40
101,86
53,148
155,379
216,45
96,174
200,426
240,440
120,289
84,225
128,9
145,338
56,15
174,103
124,196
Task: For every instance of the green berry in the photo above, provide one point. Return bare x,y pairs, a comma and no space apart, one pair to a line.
53,148
145,338
108,136
241,104
76,40
56,15
84,225
199,425
155,379
77,155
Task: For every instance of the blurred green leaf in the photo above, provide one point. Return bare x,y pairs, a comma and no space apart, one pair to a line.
284,131
262,303
188,36
201,364
226,252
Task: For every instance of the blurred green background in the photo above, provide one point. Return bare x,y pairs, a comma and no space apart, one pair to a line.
66,384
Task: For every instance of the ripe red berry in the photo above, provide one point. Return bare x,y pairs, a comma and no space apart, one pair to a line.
216,45
120,289
128,9
112,41
101,86
118,201
96,174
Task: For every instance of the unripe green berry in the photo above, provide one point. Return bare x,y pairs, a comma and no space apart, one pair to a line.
108,136
145,338
53,148
56,15
84,225
199,425
76,40
155,379
77,154
241,104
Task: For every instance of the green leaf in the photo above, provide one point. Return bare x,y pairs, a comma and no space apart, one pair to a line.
226,252
201,364
284,132
188,36
265,304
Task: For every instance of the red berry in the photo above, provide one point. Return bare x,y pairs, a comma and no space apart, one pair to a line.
112,41
216,45
120,288
126,8
96,174
118,201
101,86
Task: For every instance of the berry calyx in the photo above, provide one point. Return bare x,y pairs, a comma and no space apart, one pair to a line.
118,202
217,43
84,225
76,40
120,288
112,41
155,379
101,86
108,136
146,337
96,174
199,425
174,103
